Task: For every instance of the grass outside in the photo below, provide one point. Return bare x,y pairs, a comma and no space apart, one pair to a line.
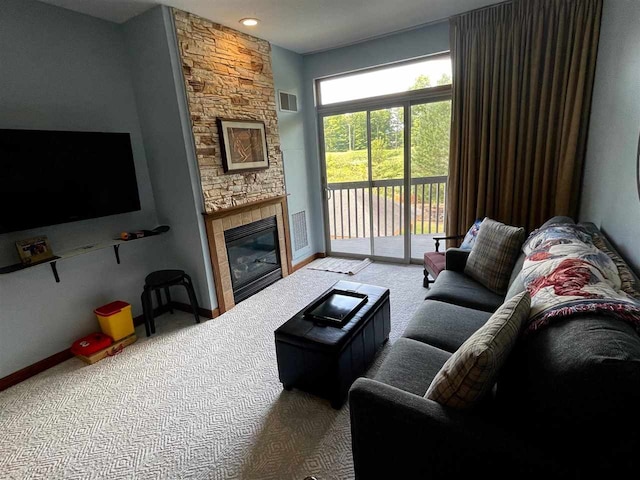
386,164
352,166
422,228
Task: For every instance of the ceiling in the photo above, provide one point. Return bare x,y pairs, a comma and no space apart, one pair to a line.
303,26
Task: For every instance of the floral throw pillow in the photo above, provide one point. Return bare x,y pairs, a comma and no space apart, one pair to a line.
470,237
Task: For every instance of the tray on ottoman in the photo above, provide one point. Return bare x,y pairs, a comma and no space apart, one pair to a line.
326,359
335,307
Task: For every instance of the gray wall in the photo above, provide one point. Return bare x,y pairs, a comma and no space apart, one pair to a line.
415,43
67,71
288,76
168,141
610,196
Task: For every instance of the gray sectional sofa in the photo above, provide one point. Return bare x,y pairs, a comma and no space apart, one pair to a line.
566,404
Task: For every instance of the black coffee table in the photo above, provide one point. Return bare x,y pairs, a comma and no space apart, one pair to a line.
324,359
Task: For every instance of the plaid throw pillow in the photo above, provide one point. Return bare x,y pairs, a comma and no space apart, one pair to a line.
494,255
472,370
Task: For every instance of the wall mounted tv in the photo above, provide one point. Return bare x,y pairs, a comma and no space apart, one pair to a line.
51,177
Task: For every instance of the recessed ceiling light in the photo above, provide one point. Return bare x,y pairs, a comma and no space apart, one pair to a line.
249,22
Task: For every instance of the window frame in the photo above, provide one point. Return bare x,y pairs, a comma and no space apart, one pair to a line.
428,92
402,99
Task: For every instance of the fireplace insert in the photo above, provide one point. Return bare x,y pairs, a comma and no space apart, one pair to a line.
254,257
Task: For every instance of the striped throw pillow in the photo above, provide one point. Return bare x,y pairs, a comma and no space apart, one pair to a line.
472,370
494,255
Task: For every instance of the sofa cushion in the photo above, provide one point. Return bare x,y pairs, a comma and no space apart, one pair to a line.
456,259
516,287
576,382
444,325
459,289
629,281
411,365
517,268
494,255
574,370
472,370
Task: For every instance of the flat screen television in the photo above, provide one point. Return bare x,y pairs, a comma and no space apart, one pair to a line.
51,177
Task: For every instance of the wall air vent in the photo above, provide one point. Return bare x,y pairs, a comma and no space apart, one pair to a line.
288,102
300,239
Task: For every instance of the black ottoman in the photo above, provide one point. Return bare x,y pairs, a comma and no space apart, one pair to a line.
325,360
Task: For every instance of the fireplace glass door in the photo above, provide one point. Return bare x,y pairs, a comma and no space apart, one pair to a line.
254,257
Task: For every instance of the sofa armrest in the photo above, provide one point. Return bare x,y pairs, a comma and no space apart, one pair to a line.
456,259
396,434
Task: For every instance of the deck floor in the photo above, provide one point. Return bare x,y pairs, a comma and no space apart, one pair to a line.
385,246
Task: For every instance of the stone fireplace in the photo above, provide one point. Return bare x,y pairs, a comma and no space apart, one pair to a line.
250,248
227,75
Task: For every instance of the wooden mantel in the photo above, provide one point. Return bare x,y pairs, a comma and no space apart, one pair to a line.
219,221
245,207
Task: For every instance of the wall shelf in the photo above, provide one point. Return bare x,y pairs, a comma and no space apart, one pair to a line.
115,243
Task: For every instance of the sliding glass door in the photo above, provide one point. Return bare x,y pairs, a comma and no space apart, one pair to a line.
385,158
364,172
430,131
347,183
387,181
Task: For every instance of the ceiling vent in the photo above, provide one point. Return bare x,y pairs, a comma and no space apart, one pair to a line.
288,102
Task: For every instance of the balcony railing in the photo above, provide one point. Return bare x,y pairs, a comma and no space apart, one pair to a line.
349,207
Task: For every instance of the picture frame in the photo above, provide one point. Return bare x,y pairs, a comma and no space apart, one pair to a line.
243,144
34,250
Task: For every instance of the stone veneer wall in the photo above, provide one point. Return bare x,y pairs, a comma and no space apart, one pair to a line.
228,75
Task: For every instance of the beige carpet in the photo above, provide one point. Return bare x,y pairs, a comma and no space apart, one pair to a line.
194,401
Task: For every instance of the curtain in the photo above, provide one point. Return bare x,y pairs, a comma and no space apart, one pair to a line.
522,81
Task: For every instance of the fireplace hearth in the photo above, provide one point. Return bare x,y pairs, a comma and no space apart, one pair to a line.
243,258
254,257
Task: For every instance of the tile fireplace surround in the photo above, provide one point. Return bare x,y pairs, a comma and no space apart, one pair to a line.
220,221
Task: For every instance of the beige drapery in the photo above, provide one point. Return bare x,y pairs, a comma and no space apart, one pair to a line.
522,81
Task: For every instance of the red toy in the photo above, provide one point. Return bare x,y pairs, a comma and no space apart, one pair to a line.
90,344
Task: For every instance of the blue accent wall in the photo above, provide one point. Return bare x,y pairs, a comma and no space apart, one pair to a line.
610,194
288,76
168,140
61,70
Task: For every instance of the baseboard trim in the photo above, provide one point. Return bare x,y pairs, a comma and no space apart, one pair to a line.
308,260
203,312
57,358
31,370
139,320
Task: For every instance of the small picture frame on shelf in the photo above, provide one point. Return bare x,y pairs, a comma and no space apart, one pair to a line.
34,250
243,145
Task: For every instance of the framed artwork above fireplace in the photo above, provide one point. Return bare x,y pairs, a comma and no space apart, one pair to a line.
243,145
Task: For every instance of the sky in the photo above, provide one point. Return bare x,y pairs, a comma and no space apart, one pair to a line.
382,81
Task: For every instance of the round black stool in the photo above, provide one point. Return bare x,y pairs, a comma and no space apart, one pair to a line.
162,280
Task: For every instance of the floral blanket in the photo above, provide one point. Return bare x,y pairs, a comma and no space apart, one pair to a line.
566,274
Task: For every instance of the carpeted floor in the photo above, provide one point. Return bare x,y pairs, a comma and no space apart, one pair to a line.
193,401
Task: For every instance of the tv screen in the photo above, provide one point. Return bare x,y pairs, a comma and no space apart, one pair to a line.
52,177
